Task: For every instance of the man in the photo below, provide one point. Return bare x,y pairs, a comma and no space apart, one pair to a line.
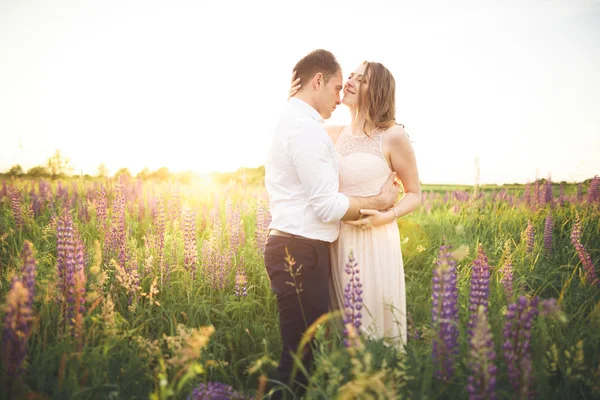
301,177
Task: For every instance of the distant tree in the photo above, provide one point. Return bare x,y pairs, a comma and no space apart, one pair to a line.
16,170
161,174
123,171
58,166
102,171
38,172
144,174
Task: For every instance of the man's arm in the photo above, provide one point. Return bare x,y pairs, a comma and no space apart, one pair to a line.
383,201
313,160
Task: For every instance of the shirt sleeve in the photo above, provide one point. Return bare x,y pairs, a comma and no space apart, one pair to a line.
313,159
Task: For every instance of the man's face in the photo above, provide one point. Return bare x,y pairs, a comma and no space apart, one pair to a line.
330,95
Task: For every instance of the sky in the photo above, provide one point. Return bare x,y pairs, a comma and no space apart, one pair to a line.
198,85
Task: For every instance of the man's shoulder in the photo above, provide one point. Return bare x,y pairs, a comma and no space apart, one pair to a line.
292,123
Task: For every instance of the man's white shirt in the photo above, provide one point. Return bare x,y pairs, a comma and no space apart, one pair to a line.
302,176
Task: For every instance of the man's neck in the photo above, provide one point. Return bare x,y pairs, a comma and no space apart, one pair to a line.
305,97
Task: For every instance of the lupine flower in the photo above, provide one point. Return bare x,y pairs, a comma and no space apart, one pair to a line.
482,380
159,223
352,297
16,208
66,265
175,204
594,190
550,308
517,344
536,194
263,219
586,260
548,193
480,286
527,194
119,229
548,227
16,329
214,391
507,272
579,192
241,279
80,291
444,312
29,270
189,239
529,237
101,204
236,225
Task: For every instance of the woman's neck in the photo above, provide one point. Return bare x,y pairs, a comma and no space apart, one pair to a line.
357,123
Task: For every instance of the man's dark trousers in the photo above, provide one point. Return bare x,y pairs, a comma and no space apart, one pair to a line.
297,311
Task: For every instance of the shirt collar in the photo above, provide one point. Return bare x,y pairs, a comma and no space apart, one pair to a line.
306,109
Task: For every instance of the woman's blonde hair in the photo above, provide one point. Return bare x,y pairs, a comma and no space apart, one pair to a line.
378,103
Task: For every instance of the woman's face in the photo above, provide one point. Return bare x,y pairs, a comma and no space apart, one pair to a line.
355,83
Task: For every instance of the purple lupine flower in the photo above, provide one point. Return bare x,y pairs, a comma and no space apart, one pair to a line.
209,259
444,312
79,272
594,190
214,391
529,237
480,287
16,207
4,190
101,204
579,192
79,291
119,229
352,298
517,344
586,260
507,277
160,224
16,329
241,279
263,219
549,193
536,194
217,226
29,270
482,380
189,239
548,227
549,307
236,224
175,204
70,264
66,266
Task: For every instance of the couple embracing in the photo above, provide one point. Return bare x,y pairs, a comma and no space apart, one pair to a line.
332,190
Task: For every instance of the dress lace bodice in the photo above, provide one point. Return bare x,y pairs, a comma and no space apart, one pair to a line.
363,167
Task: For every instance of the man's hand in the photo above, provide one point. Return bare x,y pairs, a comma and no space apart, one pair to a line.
389,193
372,219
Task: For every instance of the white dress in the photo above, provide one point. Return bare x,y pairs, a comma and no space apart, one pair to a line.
363,171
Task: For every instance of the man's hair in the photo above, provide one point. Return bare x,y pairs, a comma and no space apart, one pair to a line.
314,62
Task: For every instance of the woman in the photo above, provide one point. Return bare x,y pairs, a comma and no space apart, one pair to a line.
369,148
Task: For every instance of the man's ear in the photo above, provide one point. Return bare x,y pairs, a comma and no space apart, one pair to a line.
318,81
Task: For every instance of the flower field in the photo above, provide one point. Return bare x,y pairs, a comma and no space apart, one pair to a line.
128,289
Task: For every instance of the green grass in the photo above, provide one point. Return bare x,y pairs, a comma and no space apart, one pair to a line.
113,364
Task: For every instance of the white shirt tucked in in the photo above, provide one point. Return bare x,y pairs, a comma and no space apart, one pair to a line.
301,176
